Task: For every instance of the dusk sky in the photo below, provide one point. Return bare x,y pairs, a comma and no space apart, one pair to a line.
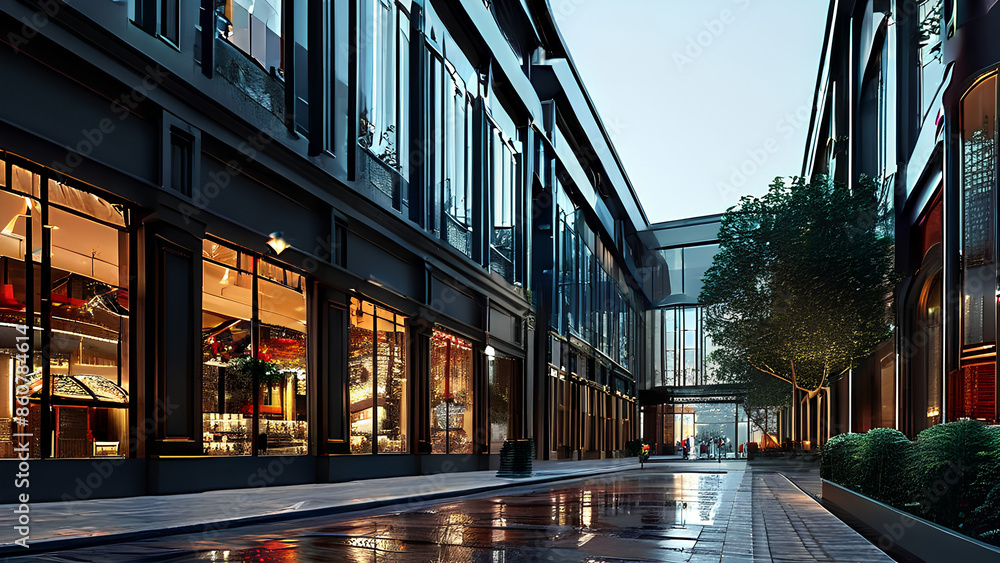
705,101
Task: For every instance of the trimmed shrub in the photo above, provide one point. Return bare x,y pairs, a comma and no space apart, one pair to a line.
884,460
840,459
949,462
985,520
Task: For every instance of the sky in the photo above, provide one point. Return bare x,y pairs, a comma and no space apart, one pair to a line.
705,101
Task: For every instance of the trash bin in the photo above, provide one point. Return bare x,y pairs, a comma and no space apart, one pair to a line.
515,458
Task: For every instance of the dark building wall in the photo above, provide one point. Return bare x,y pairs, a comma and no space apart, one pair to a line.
105,103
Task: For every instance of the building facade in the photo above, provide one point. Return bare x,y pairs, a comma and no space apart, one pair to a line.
255,243
907,92
681,396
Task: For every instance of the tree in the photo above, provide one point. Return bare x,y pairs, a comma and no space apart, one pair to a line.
800,286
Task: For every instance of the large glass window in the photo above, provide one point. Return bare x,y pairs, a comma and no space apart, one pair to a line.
253,26
501,381
978,153
457,161
504,190
383,36
253,327
929,62
378,385
680,336
452,398
77,243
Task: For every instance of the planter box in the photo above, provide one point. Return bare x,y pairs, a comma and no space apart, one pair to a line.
903,533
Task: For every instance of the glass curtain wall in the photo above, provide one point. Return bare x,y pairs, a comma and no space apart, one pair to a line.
680,347
253,327
378,385
76,243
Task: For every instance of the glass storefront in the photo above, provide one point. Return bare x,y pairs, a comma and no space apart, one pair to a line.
253,325
70,247
451,394
378,384
501,382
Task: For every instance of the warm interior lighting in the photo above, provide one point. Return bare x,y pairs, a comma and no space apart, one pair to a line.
277,242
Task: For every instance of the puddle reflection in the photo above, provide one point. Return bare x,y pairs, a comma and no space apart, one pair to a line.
635,516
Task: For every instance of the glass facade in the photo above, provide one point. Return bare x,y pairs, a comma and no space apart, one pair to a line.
979,208
253,328
593,299
680,347
501,400
378,383
64,317
452,394
383,75
254,27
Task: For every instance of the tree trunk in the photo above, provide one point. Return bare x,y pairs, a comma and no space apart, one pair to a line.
795,406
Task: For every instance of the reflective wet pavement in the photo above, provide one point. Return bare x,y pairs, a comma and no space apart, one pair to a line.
655,514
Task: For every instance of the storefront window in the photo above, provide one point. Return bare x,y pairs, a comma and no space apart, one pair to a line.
84,352
501,379
243,337
378,388
451,394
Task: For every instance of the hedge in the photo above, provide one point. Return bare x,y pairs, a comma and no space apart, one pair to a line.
950,475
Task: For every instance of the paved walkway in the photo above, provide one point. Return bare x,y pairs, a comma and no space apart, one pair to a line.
762,516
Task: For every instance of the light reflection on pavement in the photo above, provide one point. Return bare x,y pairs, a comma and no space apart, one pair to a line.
639,515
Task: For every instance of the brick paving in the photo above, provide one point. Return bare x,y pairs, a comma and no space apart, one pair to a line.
762,515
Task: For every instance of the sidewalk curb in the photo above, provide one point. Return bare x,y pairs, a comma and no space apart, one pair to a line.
11,550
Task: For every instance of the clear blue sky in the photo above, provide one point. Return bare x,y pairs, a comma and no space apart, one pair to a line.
705,100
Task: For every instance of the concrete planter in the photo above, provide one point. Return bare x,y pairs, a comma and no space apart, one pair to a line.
904,534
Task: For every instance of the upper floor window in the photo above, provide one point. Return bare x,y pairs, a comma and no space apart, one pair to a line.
929,52
449,139
979,207
161,17
254,26
383,74
504,184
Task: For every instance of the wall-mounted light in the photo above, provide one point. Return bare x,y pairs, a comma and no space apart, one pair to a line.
489,351
277,242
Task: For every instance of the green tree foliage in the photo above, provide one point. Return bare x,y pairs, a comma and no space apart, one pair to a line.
802,277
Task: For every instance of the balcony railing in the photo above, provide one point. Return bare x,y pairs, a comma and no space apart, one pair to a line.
502,252
458,234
